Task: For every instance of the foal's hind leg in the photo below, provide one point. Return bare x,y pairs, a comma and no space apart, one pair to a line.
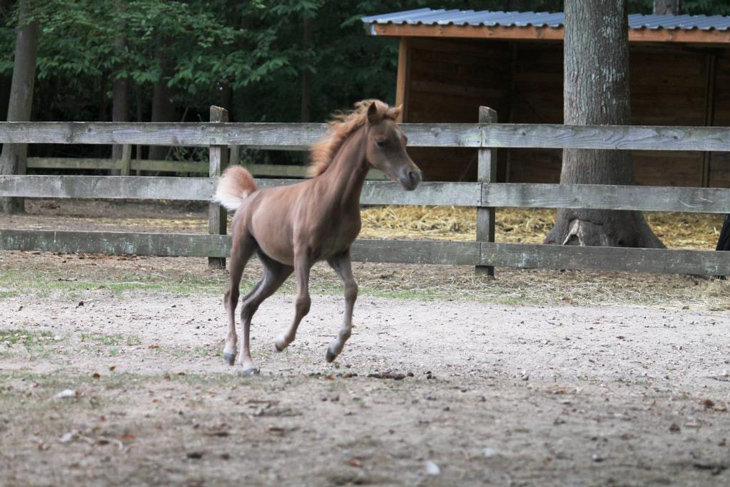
275,274
241,252
342,266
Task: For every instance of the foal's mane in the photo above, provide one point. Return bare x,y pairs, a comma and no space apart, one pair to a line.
340,127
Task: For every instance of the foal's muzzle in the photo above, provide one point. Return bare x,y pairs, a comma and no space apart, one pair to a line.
410,178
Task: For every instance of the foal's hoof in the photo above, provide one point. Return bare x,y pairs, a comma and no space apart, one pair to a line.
249,371
330,356
280,344
229,357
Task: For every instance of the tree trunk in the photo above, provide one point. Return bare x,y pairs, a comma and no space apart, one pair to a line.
667,7
120,86
103,99
163,110
596,92
13,158
139,118
306,75
120,108
227,97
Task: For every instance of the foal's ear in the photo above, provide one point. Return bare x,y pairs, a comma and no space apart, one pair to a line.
373,115
396,112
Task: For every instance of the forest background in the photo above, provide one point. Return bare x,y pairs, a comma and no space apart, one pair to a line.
263,60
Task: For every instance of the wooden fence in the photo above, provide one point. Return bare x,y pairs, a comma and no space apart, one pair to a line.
127,167
484,195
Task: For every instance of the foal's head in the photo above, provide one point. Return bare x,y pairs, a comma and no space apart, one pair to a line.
385,146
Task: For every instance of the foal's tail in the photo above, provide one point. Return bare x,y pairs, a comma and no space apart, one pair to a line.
234,186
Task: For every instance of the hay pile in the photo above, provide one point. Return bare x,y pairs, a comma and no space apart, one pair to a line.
516,225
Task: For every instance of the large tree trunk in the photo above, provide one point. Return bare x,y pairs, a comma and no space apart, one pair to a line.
13,158
667,7
596,92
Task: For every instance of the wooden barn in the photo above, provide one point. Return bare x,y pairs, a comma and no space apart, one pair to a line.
451,62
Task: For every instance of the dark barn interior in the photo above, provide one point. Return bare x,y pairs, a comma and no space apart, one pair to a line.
451,62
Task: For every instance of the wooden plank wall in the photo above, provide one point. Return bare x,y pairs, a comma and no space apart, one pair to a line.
537,97
451,78
668,88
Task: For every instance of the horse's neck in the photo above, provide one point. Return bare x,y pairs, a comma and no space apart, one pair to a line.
346,176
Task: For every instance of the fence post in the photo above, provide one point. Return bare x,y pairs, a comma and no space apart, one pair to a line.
217,215
126,160
235,155
486,173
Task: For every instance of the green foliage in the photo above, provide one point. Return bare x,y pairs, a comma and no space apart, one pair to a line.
205,49
691,7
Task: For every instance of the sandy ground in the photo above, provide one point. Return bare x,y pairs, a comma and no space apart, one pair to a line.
110,374
425,393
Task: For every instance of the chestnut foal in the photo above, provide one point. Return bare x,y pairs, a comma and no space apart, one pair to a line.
292,227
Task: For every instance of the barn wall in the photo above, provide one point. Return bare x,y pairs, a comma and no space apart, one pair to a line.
537,98
449,80
523,81
668,87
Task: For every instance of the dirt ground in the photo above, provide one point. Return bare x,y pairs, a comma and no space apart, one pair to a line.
110,374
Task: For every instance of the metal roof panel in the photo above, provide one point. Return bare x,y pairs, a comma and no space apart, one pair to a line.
487,18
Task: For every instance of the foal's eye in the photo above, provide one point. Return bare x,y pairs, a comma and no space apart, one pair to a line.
381,143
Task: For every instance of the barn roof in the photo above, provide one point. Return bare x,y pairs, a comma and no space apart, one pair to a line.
426,22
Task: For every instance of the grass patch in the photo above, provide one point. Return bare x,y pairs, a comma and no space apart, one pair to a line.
111,340
46,274
24,393
34,342
17,281
25,337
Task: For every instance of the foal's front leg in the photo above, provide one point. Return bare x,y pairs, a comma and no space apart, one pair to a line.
302,266
343,267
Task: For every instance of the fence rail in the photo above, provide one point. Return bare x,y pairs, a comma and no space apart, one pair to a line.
90,164
289,136
484,195
521,256
278,136
517,195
